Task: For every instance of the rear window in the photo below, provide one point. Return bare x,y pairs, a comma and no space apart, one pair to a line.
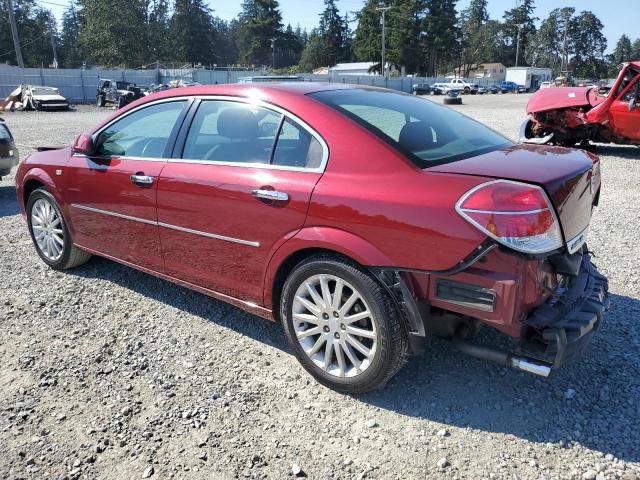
428,134
4,133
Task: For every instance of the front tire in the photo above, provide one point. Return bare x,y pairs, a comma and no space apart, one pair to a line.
50,234
342,325
100,101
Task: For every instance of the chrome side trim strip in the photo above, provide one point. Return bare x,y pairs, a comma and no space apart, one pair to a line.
209,235
167,225
122,157
114,214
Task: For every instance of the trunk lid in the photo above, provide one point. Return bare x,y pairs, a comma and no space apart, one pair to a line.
571,178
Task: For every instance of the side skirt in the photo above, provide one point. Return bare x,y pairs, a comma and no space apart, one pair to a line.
250,307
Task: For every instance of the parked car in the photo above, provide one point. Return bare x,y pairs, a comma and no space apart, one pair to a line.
546,85
33,97
482,90
421,89
117,93
439,89
579,115
493,89
511,87
8,151
264,196
48,98
460,84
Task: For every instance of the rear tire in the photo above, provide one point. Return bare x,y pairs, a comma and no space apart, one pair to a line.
50,234
351,346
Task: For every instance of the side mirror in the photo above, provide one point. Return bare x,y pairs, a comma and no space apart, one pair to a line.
83,145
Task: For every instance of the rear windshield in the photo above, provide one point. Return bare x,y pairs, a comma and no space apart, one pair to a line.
428,134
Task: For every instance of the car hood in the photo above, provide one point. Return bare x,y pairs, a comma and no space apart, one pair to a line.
562,97
567,175
49,98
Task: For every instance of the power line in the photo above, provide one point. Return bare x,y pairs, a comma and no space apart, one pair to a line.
25,44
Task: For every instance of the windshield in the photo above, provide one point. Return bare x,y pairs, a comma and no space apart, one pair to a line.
122,85
426,133
43,91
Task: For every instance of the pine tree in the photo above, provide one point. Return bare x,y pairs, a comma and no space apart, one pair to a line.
519,19
34,24
259,24
69,48
441,36
192,34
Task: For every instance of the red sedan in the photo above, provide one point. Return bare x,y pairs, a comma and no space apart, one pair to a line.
363,220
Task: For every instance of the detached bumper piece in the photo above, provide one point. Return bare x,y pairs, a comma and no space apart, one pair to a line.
563,326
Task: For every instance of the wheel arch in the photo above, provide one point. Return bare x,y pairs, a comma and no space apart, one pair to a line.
309,242
34,179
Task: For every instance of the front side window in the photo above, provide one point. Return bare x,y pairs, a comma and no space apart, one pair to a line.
143,133
236,132
428,134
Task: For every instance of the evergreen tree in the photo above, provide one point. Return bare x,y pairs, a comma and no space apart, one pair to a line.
589,45
34,25
546,48
635,50
623,52
192,33
519,19
441,44
259,24
114,33
330,43
69,49
158,30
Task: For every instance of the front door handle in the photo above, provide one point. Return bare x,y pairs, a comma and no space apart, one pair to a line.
270,195
142,179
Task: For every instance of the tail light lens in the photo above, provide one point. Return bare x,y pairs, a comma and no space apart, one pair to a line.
515,214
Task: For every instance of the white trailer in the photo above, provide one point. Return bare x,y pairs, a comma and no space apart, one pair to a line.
530,77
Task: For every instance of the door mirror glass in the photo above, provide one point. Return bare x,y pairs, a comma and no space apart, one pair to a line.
83,145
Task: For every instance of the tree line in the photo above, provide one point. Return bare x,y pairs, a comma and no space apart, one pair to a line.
424,37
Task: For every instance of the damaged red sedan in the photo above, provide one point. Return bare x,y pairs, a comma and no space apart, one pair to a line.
363,220
570,116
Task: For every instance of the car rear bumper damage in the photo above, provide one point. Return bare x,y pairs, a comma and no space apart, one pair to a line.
551,331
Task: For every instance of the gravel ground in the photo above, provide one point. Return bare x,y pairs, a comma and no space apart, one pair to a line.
109,373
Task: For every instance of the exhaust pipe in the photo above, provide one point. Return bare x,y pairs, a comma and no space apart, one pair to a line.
507,359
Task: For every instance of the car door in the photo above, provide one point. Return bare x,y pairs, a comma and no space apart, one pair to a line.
238,186
112,194
625,113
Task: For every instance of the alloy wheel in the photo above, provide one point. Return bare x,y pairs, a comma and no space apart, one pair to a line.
48,230
334,325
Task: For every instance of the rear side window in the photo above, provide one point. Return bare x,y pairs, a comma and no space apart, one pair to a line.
236,132
143,133
428,134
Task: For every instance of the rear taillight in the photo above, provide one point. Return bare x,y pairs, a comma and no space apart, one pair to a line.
515,214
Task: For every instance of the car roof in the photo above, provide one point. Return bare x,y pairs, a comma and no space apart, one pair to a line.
251,89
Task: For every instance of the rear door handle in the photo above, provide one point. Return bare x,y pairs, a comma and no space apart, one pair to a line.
142,179
270,195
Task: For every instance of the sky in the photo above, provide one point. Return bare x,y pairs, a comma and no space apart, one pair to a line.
305,12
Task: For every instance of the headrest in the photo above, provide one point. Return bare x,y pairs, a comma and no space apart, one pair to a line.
238,123
416,136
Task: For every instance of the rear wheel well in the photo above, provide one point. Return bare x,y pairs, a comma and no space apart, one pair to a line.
286,267
29,187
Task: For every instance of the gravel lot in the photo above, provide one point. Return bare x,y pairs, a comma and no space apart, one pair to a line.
109,373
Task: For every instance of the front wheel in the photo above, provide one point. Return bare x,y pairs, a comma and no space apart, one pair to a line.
100,101
342,325
50,234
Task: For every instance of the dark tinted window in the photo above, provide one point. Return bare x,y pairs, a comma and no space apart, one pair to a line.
427,133
4,133
143,133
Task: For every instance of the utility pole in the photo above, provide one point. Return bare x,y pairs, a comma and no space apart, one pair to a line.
273,53
565,57
14,34
53,43
383,22
519,25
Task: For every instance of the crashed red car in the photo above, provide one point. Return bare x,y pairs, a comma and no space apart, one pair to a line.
570,116
364,220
